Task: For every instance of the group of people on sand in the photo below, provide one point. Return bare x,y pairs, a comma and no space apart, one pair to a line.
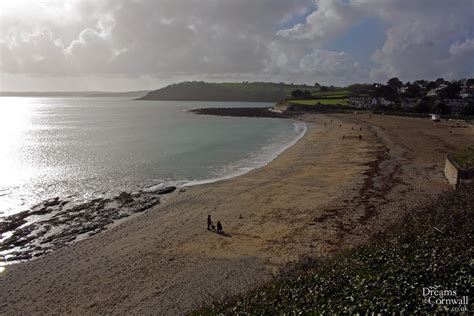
212,227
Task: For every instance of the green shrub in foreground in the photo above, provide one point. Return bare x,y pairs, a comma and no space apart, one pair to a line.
431,246
465,157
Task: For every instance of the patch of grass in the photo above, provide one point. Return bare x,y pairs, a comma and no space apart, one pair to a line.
321,102
337,93
465,157
431,246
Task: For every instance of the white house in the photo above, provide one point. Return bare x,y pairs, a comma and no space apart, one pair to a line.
435,117
384,101
362,102
402,90
432,93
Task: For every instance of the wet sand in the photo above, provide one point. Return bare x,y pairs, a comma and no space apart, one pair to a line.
322,195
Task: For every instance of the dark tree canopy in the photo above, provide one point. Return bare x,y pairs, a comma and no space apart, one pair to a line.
413,91
421,83
431,85
394,83
361,88
424,106
451,91
385,92
440,108
468,110
300,94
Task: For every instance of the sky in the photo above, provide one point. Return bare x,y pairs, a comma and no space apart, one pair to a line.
121,45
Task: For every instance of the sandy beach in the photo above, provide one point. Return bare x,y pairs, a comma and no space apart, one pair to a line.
325,194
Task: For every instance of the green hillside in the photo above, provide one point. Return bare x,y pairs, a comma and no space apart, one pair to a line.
318,98
229,91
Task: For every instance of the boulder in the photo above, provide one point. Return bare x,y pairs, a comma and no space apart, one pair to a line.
125,197
167,190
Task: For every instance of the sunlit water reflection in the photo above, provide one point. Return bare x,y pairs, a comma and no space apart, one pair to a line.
89,147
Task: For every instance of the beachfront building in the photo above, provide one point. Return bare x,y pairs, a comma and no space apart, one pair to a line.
403,90
362,102
383,101
455,105
435,117
409,103
432,93
368,102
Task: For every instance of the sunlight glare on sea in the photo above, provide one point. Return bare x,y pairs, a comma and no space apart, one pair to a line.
80,148
15,123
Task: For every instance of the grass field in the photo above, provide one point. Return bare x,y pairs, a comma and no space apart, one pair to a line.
340,101
338,97
465,158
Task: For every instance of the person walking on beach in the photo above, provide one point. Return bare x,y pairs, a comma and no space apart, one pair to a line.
219,227
209,222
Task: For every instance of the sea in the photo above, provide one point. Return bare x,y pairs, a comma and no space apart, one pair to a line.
85,148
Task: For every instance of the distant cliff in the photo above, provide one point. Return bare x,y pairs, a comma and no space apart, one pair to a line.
243,92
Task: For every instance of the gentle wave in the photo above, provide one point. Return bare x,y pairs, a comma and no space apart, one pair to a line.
244,166
82,149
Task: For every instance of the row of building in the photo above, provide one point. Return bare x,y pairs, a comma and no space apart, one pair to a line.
434,90
456,106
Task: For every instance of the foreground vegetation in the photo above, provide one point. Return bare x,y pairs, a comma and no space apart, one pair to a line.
465,157
431,246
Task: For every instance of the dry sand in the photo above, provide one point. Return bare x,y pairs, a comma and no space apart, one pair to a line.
322,195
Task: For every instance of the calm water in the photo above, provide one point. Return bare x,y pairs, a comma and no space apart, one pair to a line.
90,147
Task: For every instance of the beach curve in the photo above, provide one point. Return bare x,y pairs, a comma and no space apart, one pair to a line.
166,262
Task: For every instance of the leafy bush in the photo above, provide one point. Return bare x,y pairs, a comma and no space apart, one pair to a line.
465,157
432,245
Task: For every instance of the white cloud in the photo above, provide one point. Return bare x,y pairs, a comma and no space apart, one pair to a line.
163,38
338,66
421,40
231,39
331,18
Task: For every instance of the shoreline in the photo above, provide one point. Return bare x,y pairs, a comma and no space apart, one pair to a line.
33,230
321,196
273,156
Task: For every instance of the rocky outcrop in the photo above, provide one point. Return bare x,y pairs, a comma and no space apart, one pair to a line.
56,222
167,190
241,112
